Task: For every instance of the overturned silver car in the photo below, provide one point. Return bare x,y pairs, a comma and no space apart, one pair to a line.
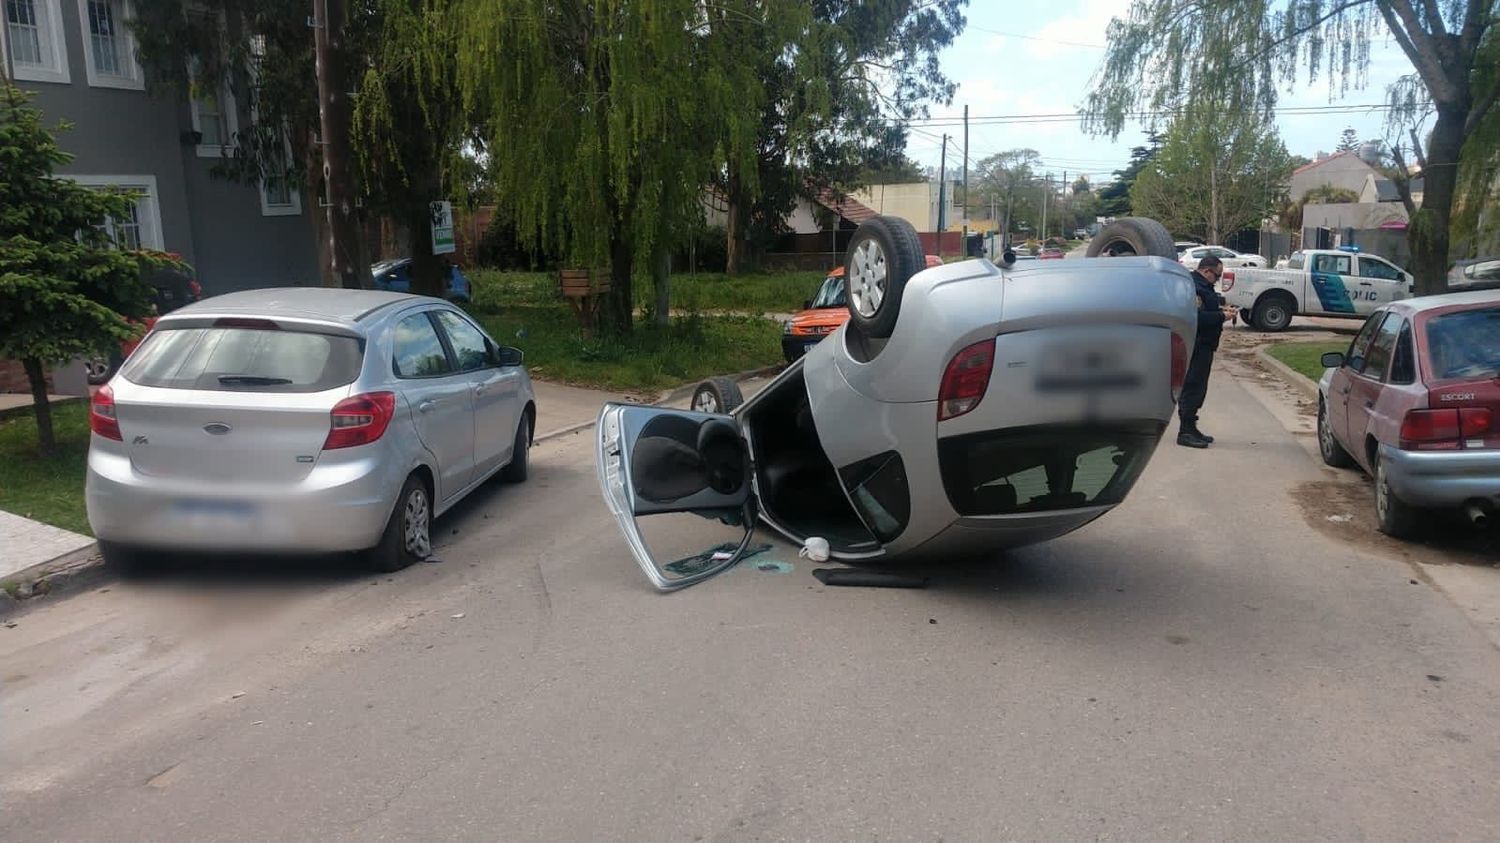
966,407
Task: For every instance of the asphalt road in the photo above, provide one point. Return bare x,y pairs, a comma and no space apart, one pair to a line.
1200,663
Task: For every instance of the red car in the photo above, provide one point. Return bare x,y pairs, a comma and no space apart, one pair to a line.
1051,254
1415,402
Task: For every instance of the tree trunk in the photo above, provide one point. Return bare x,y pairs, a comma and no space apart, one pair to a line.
734,226
1213,206
661,276
36,375
620,307
335,110
1428,232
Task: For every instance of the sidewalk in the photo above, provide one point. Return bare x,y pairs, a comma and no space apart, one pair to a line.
25,543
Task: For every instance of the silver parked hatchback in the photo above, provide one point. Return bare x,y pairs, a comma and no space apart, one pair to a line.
303,420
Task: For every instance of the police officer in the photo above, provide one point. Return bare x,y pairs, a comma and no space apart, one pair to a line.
1212,315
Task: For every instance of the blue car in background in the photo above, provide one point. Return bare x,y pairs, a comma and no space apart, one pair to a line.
395,275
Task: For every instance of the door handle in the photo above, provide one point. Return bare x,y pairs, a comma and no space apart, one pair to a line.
426,407
1344,391
1365,284
480,388
1369,404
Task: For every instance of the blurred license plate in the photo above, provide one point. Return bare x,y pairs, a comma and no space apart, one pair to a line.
1085,366
215,514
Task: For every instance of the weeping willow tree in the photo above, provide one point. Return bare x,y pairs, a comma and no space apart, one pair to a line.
412,135
603,120
1171,55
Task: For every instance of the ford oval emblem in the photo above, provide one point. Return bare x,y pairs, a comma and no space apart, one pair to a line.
216,428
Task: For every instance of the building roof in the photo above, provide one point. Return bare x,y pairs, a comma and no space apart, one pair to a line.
845,206
1320,162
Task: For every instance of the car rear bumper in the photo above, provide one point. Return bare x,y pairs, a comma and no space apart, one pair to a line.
1439,479
342,506
793,347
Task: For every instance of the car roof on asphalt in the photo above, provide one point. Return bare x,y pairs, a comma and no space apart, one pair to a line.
1422,303
325,303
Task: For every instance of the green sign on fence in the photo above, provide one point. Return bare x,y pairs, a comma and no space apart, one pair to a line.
442,228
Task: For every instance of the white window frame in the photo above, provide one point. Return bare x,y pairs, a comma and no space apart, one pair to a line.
148,213
292,208
134,79
49,28
231,123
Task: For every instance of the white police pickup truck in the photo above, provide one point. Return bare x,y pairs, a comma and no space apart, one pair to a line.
1315,282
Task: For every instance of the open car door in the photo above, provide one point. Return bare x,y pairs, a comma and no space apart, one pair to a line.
659,462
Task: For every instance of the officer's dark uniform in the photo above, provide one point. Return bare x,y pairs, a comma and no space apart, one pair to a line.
1210,329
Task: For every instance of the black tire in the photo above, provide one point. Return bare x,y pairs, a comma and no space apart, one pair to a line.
1332,452
1245,315
395,551
1140,236
1273,313
717,395
520,458
1395,517
884,253
100,369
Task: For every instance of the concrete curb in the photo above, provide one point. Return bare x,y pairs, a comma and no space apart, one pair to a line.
1294,378
49,576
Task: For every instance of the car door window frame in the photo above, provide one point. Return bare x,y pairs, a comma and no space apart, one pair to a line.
1405,354
491,359
1320,263
442,339
1365,260
1392,319
1356,362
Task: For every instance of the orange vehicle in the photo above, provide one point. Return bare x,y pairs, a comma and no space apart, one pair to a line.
821,315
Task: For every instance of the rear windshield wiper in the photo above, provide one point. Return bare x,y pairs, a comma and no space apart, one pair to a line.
252,380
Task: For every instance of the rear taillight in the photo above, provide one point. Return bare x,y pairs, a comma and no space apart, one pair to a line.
1227,281
965,380
1445,430
195,290
102,417
360,420
1179,364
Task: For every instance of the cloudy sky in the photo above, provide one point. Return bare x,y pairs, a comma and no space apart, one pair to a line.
1037,59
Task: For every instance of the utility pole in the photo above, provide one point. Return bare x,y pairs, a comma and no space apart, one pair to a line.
335,111
942,222
963,249
1046,189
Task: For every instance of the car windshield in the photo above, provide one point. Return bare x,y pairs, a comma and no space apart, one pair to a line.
1465,344
244,360
831,294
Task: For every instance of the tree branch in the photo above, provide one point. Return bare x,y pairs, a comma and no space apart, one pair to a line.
1434,18
1301,31
1475,24
1438,84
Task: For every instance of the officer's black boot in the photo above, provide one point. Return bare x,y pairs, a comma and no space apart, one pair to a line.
1188,435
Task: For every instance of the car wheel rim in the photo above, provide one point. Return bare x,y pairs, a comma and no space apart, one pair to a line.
867,282
97,368
416,523
1382,494
1118,249
704,402
1325,435
1276,317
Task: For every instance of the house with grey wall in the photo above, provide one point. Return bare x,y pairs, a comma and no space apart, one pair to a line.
78,58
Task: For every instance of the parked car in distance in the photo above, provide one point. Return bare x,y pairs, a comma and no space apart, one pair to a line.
1475,274
1415,402
1183,245
1080,234
962,408
821,315
395,276
1231,258
1317,282
303,420
1051,254
171,289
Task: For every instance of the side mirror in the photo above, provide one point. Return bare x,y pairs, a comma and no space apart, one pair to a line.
508,356
1008,257
1332,360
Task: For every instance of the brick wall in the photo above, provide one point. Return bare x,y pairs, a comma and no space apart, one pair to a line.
13,377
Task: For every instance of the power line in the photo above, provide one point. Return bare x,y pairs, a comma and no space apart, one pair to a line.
1070,117
1035,38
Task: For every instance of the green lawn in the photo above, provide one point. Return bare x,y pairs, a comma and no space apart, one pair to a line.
776,292
50,490
1304,356
649,360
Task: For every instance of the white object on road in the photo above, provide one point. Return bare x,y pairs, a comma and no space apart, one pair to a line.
815,548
